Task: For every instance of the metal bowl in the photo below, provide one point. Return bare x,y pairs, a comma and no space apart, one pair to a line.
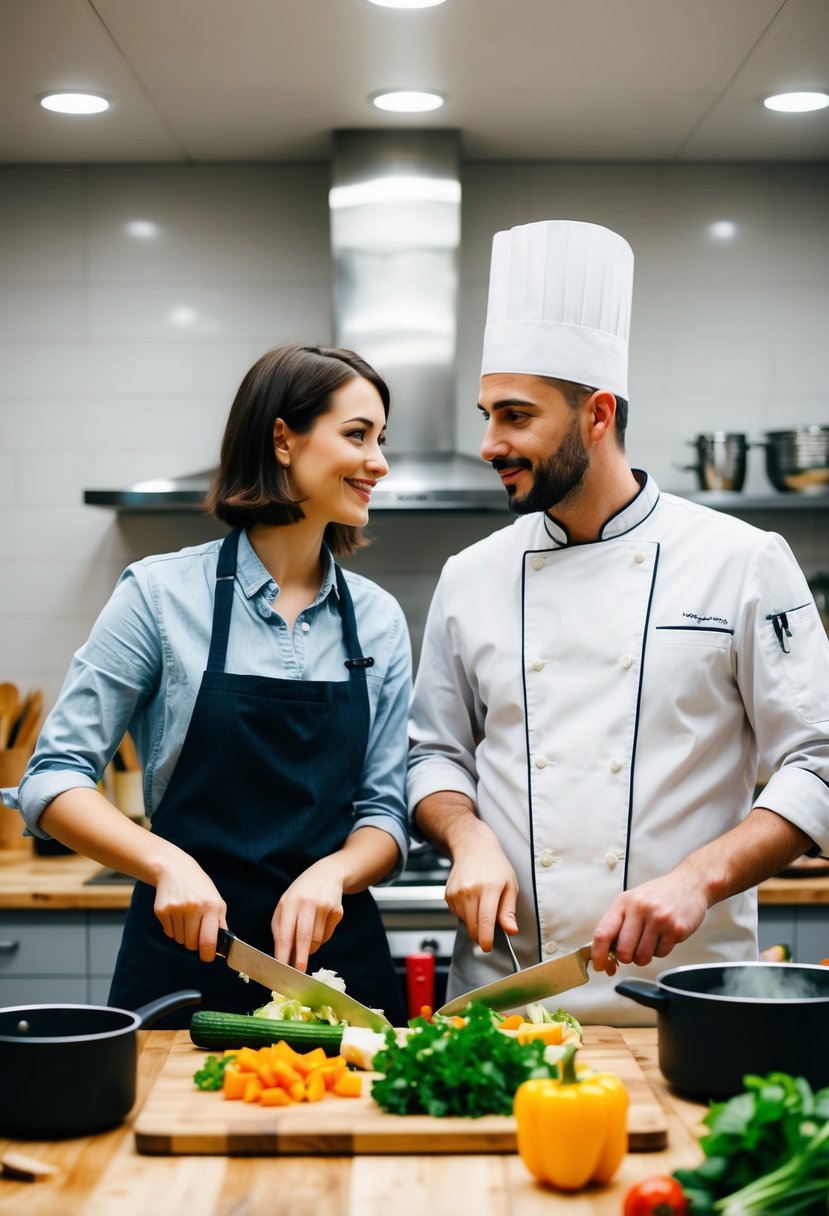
721,460
797,461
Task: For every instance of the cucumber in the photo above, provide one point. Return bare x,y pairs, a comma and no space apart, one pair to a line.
227,1030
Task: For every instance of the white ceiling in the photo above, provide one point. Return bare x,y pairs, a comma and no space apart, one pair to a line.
250,80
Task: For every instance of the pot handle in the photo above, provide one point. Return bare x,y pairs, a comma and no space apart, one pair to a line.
152,1011
644,993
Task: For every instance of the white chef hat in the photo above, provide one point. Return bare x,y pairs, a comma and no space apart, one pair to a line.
559,304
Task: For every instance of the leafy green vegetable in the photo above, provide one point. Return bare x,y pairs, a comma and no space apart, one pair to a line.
766,1151
211,1076
443,1069
539,1014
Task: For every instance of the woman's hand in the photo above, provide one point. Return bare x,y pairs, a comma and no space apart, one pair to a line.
309,912
189,907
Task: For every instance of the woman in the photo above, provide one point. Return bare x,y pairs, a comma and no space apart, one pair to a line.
267,692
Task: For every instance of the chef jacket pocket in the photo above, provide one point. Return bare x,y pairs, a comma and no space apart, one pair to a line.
799,637
694,635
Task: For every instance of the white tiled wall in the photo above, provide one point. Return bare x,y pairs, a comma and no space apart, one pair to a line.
120,354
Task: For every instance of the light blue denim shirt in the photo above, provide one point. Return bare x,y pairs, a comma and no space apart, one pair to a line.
141,668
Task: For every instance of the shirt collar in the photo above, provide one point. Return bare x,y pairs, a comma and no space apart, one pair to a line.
625,520
253,577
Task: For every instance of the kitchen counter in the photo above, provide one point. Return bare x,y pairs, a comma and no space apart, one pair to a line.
29,881
104,1175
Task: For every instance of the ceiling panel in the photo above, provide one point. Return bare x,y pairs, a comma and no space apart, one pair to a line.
229,80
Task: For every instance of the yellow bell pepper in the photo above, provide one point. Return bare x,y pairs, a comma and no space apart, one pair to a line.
572,1130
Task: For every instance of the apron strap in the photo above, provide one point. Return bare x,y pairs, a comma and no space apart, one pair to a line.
223,601
223,605
356,664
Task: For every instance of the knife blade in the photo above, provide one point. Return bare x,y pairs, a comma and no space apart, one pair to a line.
532,984
280,977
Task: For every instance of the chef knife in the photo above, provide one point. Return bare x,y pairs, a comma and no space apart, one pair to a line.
279,977
532,984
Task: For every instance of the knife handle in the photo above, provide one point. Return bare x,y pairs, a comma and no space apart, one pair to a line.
224,941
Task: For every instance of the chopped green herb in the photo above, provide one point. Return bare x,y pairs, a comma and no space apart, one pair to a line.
443,1069
212,1075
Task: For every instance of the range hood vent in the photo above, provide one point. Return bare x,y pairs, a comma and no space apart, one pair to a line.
395,226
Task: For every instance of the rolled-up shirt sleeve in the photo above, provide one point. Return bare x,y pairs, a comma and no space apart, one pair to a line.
783,674
109,677
381,802
446,721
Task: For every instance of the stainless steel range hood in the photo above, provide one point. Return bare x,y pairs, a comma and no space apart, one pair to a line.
395,224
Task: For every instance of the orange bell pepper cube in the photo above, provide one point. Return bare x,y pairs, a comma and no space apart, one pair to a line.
550,1033
314,1087
297,1091
329,1073
276,1097
253,1090
247,1059
234,1083
286,1075
512,1022
284,1052
349,1085
310,1060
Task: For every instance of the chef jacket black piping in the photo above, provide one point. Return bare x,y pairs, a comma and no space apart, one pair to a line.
527,743
600,540
636,719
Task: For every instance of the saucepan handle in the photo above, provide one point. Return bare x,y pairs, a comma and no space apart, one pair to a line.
151,1012
644,993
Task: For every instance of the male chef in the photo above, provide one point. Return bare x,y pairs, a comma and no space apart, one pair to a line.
599,680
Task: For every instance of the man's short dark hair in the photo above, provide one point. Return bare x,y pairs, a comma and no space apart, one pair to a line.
575,392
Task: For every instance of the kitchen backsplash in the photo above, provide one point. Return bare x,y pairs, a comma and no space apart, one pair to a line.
132,300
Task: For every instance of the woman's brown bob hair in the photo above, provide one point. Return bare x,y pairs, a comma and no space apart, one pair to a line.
294,383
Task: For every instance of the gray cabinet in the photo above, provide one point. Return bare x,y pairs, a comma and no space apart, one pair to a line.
803,927
61,956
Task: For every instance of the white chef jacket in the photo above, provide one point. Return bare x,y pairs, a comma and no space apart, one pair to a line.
605,705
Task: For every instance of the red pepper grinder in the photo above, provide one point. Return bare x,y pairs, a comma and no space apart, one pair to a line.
420,981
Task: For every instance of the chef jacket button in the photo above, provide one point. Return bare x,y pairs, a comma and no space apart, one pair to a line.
538,664
540,761
639,558
626,661
615,766
611,860
305,627
550,947
538,563
547,857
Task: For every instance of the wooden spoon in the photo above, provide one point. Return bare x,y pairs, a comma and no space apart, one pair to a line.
29,726
9,702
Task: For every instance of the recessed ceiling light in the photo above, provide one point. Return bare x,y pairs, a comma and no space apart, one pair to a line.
75,103
797,103
723,230
408,102
407,3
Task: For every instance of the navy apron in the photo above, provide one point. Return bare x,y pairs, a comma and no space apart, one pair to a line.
264,786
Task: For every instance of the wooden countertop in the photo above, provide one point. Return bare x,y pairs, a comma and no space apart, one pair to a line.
29,881
104,1175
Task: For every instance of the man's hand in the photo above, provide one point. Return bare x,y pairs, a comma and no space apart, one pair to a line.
648,921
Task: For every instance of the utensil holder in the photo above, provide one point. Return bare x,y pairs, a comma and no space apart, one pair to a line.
13,761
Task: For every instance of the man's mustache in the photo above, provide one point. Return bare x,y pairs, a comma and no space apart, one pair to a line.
510,462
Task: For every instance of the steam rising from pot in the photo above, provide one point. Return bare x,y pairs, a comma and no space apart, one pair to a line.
768,984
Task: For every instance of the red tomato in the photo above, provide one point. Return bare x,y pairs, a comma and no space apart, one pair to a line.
661,1196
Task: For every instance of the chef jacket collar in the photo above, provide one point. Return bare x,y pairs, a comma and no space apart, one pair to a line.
253,577
624,520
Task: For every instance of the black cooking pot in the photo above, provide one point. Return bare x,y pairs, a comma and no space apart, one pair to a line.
69,1070
711,1036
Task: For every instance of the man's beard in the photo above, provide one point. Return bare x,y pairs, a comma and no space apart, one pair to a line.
555,478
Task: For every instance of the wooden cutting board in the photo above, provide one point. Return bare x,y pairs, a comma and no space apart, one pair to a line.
177,1118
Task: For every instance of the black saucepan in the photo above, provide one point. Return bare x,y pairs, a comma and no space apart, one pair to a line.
70,1070
718,1022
